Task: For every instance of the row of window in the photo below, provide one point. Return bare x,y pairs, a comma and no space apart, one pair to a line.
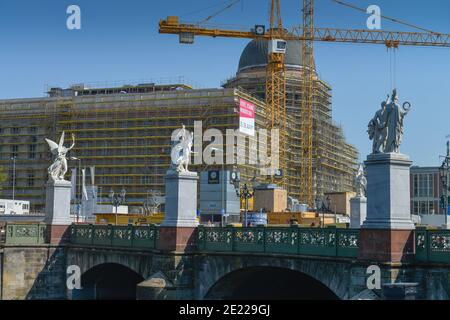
13,180
423,185
18,130
424,207
15,152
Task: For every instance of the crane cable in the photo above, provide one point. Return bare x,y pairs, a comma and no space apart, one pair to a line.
393,63
230,5
204,9
385,17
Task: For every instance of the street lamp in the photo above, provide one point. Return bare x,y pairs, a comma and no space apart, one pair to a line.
117,200
318,202
78,200
222,187
245,193
14,178
443,174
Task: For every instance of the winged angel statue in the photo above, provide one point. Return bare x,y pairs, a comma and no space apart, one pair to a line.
58,169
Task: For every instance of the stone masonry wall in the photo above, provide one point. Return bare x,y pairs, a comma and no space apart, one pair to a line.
37,272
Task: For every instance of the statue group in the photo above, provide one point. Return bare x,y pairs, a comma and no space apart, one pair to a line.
386,127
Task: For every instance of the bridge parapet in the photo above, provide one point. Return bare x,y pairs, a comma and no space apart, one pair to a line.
432,246
25,234
329,242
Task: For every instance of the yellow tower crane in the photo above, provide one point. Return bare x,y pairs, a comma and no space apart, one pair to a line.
276,81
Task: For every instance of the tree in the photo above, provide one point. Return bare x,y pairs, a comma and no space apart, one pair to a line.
3,177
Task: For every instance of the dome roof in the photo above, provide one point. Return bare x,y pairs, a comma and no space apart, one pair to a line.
256,52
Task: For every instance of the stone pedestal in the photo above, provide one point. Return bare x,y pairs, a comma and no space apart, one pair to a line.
57,210
358,211
177,232
387,233
388,192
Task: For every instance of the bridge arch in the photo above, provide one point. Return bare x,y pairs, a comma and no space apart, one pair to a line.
328,279
108,281
264,283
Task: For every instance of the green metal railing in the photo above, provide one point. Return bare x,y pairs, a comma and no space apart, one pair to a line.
330,242
433,246
139,237
25,234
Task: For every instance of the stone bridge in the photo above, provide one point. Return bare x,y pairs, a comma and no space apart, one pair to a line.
225,263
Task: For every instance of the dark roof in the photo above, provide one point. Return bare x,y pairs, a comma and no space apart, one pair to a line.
256,52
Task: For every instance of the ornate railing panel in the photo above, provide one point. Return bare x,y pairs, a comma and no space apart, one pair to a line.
215,239
317,241
25,234
139,237
433,246
282,240
347,243
249,239
421,245
145,237
102,235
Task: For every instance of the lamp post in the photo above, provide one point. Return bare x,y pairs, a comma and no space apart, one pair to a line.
117,200
245,194
318,202
222,188
78,200
14,178
444,175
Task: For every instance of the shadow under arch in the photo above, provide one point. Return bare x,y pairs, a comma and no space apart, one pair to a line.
108,281
269,283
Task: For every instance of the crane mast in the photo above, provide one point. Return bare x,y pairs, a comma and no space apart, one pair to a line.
307,105
276,88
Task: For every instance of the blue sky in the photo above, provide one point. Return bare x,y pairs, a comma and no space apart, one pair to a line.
119,41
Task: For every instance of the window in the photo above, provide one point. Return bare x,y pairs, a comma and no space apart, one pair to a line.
15,130
12,179
423,185
423,207
416,207
32,151
145,180
14,151
30,179
32,130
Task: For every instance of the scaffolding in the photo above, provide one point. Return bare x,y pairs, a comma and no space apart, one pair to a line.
334,161
126,136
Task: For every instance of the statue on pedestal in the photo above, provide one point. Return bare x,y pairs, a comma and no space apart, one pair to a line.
386,127
58,169
181,149
361,182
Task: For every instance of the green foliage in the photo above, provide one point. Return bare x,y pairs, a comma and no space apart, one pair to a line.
3,177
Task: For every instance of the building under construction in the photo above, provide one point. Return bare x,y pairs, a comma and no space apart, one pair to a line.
334,160
125,131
